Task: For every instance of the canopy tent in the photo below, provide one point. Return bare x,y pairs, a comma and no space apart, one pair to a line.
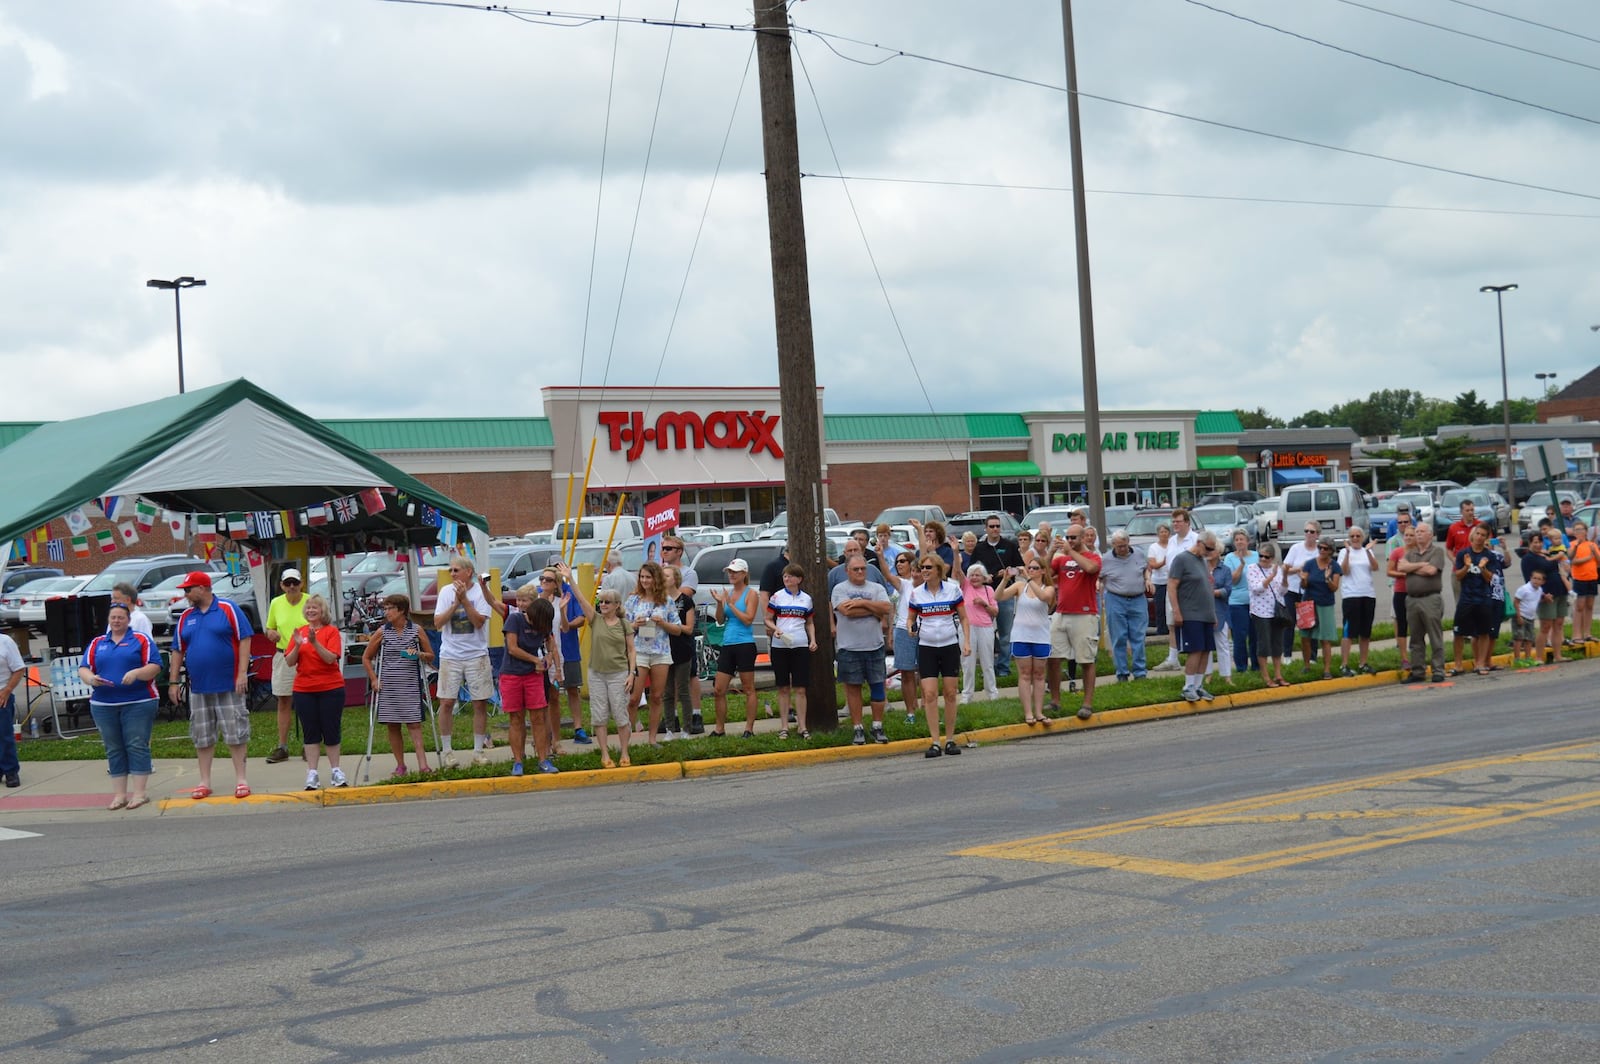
226,449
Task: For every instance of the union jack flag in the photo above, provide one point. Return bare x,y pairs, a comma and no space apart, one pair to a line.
344,509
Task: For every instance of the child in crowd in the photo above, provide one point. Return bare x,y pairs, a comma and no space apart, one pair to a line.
791,636
1526,623
530,650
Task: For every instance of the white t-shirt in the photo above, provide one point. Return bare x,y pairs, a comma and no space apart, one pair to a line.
459,640
1158,553
902,614
1297,556
937,606
10,659
1357,568
1528,598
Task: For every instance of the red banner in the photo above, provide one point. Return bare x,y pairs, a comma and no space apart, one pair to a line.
661,515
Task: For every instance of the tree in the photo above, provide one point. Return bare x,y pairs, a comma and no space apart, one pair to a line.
1311,419
1258,419
1470,410
1448,460
1430,414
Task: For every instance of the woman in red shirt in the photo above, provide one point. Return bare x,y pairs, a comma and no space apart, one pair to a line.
316,653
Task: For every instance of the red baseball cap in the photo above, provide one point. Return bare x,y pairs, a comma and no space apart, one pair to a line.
198,578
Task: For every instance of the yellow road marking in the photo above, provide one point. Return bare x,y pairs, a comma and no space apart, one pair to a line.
1425,822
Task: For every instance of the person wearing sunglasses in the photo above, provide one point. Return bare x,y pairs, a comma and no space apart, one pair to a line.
939,622
286,615
611,665
1075,628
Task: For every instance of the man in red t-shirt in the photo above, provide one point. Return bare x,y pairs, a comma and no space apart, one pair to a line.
1075,627
1456,539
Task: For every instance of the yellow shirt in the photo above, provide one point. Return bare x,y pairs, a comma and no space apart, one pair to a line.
286,619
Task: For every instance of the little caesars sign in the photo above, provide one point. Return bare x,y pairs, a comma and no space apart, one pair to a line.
1149,444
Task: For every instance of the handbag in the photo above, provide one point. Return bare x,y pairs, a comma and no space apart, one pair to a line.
1305,614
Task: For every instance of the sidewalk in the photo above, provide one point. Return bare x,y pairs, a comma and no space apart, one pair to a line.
83,785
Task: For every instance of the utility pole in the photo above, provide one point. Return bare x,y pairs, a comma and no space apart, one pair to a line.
1080,218
797,366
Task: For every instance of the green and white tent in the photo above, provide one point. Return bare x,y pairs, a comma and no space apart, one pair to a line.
228,448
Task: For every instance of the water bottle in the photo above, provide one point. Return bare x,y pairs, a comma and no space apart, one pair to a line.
33,727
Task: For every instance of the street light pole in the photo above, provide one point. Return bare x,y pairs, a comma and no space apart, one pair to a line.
177,284
1545,389
1499,291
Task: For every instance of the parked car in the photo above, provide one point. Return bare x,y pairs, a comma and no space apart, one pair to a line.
30,609
600,529
540,539
716,536
1528,517
1057,516
1589,515
976,522
1224,518
143,573
1484,504
519,564
1434,488
1587,489
748,530
1421,504
709,569
158,602
1266,511
779,525
18,575
1336,508
1246,496
1141,529
236,588
12,601
1497,485
903,515
1385,516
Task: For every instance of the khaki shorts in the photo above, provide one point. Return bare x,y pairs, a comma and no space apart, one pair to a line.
1075,637
282,675
476,673
608,699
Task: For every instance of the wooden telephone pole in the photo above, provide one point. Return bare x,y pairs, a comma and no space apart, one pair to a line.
797,368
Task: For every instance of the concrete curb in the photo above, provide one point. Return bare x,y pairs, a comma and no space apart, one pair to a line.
724,766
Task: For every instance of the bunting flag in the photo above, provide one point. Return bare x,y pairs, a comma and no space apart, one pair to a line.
56,549
447,532
205,528
144,515
286,522
208,547
236,526
316,515
77,521
130,535
178,523
372,501
80,546
112,506
106,540
344,509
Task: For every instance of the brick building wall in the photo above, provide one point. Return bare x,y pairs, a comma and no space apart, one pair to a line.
1584,409
860,490
514,502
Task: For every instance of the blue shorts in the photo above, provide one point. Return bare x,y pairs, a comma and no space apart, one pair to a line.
860,666
1197,637
1030,650
905,651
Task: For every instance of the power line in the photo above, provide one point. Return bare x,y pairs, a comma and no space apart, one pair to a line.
1527,21
1201,196
1464,33
826,38
871,258
1388,63
573,19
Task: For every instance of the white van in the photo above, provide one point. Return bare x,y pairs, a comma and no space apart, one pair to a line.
599,529
1336,507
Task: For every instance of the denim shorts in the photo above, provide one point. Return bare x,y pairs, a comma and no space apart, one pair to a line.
860,666
905,651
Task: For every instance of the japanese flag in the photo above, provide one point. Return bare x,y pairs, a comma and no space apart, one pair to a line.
130,535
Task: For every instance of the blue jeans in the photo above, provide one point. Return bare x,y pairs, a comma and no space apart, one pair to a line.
1244,637
9,765
1002,634
1127,617
125,729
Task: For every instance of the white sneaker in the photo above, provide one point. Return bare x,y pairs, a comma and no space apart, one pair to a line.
450,759
312,782
480,757
965,698
339,779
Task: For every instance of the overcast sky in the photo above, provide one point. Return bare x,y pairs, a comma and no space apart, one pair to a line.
391,200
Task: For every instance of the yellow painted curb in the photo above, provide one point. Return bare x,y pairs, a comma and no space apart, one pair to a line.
223,801
473,788
726,766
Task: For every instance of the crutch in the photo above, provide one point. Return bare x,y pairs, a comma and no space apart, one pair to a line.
372,721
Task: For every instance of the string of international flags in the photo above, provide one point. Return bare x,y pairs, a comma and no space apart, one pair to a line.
135,517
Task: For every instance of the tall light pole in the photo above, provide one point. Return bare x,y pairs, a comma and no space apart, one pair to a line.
1545,389
177,284
1499,291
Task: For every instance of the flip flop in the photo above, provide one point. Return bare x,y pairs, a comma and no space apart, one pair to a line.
119,802
134,803
200,792
242,791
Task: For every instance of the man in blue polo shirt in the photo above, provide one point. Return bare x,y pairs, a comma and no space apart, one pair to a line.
212,640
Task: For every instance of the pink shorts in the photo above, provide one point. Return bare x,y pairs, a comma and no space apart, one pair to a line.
518,693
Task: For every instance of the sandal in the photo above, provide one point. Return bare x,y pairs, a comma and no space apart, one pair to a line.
138,800
606,762
242,791
804,734
119,802
1028,720
200,792
784,734
625,763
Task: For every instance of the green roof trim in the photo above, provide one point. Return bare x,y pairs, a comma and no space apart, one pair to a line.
1219,461
873,428
445,434
12,431
1217,422
1005,470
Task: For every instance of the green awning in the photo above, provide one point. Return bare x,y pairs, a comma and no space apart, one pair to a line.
1220,461
1004,470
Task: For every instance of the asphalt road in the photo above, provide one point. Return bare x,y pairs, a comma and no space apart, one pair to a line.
1260,907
